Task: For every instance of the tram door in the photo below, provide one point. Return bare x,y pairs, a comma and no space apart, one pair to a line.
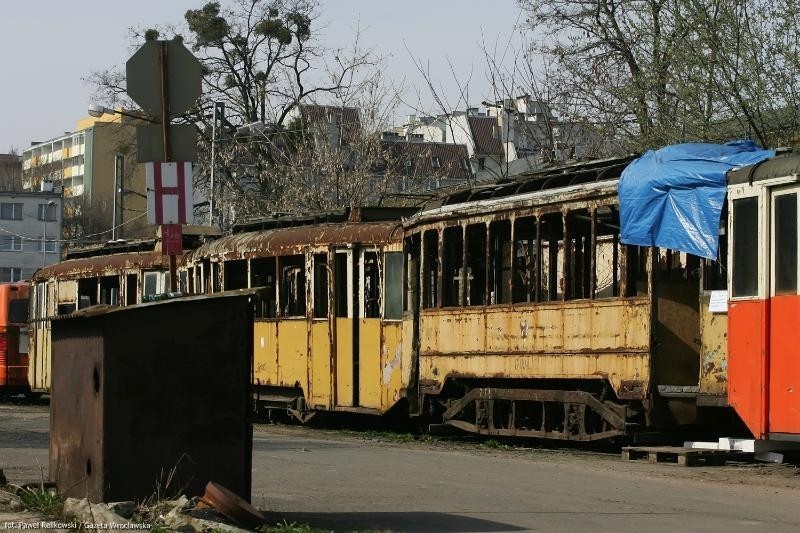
345,325
369,329
784,312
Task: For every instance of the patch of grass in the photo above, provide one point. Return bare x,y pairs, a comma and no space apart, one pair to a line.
388,435
292,527
493,444
40,499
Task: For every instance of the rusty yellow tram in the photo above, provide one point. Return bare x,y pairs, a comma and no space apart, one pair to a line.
530,318
125,274
328,333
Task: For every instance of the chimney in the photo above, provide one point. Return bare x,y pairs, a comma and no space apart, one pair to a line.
47,185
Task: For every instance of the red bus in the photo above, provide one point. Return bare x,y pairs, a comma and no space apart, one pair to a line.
14,338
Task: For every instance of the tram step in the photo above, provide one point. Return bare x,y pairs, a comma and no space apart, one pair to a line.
679,456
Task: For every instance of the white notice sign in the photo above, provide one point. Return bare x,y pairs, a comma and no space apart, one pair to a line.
718,302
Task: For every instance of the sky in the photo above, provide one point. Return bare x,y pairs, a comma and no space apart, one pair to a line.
48,47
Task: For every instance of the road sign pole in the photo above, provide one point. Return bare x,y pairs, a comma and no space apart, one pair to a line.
162,59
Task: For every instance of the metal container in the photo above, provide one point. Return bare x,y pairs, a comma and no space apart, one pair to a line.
153,400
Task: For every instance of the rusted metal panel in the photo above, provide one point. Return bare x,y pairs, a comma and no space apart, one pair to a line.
344,362
392,365
139,396
265,352
97,266
713,350
582,339
320,394
293,353
578,196
296,239
369,363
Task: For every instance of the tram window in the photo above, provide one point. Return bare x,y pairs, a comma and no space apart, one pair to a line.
18,311
216,277
475,292
235,274
87,292
452,262
430,285
206,276
130,289
786,244
410,301
109,290
607,253
65,309
525,252
715,272
500,262
745,240
393,283
371,286
341,294
636,262
578,258
320,286
262,274
292,295
552,263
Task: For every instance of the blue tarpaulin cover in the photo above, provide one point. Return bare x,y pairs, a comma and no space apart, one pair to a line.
673,197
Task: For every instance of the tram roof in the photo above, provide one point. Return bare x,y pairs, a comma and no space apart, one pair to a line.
564,183
102,264
283,241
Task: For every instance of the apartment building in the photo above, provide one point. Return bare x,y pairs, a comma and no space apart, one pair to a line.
10,172
95,167
30,229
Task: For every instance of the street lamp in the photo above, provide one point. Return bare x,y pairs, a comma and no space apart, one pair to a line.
97,110
46,211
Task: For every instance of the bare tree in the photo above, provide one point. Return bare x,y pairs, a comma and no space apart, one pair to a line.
262,59
661,71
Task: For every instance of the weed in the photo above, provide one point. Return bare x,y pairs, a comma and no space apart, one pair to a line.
493,444
388,436
40,499
293,527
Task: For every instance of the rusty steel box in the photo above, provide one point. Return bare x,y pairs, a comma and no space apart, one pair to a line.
153,399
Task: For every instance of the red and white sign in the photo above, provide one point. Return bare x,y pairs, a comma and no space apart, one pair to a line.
169,193
171,239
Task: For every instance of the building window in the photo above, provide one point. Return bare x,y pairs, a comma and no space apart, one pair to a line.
11,211
10,243
9,274
48,246
482,163
435,163
47,212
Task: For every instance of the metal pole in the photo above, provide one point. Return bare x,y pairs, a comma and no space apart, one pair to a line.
213,165
116,194
121,191
162,56
44,238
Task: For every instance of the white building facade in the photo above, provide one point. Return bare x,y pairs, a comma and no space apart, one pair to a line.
30,233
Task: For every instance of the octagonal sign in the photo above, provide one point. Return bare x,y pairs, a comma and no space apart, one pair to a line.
183,72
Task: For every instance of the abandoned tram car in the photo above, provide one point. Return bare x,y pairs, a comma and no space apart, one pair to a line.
328,331
507,309
532,319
